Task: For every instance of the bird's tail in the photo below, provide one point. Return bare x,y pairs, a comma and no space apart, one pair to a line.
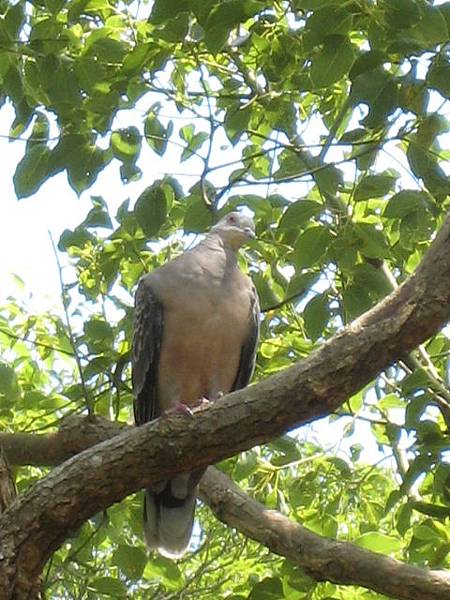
168,520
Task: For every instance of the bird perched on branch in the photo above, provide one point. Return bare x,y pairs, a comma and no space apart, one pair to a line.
195,336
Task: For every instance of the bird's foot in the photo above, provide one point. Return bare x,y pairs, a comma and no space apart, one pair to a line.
202,402
179,408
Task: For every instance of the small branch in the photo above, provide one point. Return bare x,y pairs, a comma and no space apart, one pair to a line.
72,340
212,130
23,338
438,389
333,129
283,302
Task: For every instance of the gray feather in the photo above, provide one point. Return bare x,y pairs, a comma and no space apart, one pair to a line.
248,351
147,338
168,521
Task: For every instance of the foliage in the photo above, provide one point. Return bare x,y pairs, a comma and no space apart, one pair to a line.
296,110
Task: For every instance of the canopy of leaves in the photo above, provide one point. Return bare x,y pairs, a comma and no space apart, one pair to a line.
325,119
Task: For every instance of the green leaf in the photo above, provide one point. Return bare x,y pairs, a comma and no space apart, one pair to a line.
406,202
367,61
378,90
126,144
245,466
198,217
79,237
62,86
156,134
432,26
176,29
311,246
374,186
32,171
98,216
165,570
266,294
372,241
332,62
129,171
9,387
316,315
109,586
12,84
98,332
237,118
151,210
223,17
403,518
163,10
328,179
356,301
402,13
40,132
269,588
378,542
14,19
423,164
300,284
328,20
439,75
373,280
298,213
425,533
108,49
130,560
194,144
91,74
136,59
82,160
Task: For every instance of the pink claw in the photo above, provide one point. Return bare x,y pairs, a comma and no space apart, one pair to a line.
179,408
203,402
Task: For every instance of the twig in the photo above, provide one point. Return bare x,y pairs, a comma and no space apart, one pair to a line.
283,302
212,129
34,342
72,339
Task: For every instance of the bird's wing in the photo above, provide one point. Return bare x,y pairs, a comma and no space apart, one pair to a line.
248,351
147,338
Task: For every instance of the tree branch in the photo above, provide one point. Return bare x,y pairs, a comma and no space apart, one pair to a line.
39,521
321,558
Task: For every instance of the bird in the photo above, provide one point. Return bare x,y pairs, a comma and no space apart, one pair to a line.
196,331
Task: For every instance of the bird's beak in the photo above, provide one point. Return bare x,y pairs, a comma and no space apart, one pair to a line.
249,233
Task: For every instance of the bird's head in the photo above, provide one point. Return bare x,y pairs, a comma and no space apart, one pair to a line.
235,229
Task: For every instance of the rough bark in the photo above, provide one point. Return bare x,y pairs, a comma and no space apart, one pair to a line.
8,490
37,523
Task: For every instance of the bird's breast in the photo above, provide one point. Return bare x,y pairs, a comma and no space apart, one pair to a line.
204,331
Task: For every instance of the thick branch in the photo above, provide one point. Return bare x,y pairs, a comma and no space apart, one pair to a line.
75,435
34,526
320,557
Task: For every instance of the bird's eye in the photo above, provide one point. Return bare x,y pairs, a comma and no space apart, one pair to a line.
232,219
